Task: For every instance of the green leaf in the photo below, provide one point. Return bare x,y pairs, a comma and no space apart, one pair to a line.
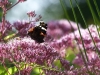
2,69
10,70
57,63
36,71
70,55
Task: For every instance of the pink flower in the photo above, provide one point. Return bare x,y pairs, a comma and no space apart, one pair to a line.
59,28
22,27
31,14
3,2
22,0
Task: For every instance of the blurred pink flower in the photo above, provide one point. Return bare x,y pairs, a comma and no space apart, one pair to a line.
31,14
59,28
22,0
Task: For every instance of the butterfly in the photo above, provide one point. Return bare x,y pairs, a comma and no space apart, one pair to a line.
38,33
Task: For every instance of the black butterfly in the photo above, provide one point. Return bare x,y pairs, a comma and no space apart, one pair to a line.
38,32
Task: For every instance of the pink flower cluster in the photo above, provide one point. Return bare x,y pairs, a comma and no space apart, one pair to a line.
27,50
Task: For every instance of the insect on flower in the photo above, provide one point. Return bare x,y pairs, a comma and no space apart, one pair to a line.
38,32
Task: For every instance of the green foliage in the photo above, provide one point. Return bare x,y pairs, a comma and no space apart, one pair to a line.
7,71
70,55
36,71
57,63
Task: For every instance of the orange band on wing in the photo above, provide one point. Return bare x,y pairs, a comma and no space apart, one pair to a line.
42,34
31,29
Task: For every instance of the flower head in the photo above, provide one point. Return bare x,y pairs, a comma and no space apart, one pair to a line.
3,2
21,0
59,28
31,14
22,27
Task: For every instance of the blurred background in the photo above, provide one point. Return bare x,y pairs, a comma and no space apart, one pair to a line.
52,10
